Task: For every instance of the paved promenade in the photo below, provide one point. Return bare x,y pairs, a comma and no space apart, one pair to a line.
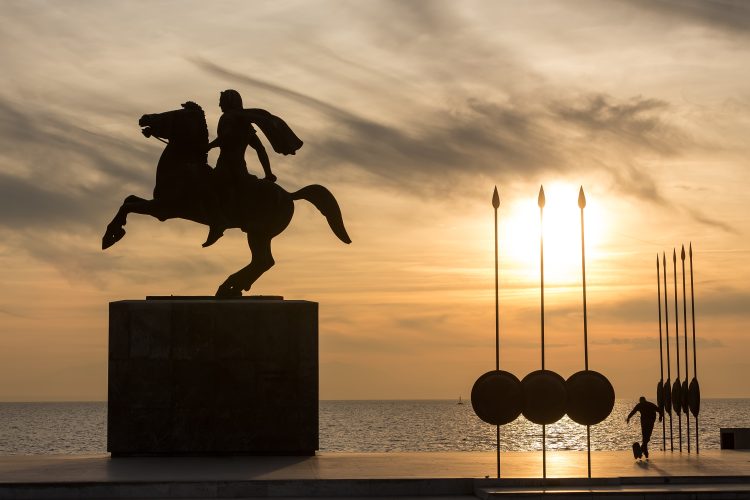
724,473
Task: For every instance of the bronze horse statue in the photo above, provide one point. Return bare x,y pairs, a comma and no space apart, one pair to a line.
185,190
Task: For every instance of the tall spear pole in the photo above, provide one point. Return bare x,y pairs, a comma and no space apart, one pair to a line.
541,201
669,363
684,327
496,205
661,358
582,205
678,405
695,362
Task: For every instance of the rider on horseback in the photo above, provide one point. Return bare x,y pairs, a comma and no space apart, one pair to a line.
234,133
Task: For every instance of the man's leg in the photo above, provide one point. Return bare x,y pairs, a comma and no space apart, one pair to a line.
646,430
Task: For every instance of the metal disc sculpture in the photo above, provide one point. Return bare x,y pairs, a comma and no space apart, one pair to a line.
684,389
681,395
660,386
667,387
591,396
497,396
545,397
694,390
677,386
545,394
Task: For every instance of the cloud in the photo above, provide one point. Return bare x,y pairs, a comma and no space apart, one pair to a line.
23,204
714,304
724,302
637,122
649,343
433,150
491,116
722,15
698,216
58,173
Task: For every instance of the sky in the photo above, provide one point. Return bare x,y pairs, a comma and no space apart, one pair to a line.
411,113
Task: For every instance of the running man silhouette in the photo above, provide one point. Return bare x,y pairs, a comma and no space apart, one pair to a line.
648,412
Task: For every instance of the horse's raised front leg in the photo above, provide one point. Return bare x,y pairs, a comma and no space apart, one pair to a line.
243,279
115,230
135,205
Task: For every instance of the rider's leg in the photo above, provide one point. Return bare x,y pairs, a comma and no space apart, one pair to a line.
220,204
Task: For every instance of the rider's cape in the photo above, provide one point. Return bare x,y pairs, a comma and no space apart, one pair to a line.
278,133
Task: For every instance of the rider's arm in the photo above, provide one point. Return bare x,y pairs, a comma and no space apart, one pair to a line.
254,142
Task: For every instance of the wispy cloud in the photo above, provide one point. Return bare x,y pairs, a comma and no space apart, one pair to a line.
648,343
722,15
505,140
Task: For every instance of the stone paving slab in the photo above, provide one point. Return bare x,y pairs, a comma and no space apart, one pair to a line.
605,464
712,474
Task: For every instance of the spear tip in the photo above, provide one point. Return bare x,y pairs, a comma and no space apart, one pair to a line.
541,200
664,259
581,199
691,249
682,254
657,261
495,199
674,255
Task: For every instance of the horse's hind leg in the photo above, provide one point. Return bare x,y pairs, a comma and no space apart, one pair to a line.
243,279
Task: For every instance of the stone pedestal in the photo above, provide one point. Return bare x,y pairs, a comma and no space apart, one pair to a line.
213,376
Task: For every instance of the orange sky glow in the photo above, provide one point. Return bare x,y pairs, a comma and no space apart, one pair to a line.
411,112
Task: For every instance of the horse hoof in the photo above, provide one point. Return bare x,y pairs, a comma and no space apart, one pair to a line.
228,291
112,236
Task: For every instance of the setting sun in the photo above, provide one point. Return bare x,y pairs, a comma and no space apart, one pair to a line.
562,236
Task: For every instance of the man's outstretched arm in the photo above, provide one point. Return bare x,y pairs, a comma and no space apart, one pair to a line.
627,419
254,142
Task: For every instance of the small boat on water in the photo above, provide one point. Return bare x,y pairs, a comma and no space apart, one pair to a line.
459,401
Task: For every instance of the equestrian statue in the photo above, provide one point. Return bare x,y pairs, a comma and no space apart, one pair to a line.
227,196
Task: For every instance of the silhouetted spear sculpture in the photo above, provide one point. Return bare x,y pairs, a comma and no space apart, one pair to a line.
187,188
497,395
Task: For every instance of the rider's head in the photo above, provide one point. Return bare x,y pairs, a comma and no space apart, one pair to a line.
642,399
230,99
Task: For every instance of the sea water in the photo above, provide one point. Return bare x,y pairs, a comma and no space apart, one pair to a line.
381,426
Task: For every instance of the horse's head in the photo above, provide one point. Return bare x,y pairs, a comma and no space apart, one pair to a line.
185,127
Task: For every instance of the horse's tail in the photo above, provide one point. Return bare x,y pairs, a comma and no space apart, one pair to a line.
326,203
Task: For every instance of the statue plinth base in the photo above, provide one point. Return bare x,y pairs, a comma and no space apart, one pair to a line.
213,376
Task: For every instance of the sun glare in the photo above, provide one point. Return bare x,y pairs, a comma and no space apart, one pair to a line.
520,236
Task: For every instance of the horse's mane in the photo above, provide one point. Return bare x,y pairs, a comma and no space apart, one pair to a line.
195,108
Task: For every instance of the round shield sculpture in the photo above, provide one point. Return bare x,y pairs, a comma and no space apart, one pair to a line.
667,397
684,396
694,397
497,397
591,397
545,397
677,397
660,395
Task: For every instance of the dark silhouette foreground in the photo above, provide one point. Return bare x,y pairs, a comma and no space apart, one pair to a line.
648,411
228,196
